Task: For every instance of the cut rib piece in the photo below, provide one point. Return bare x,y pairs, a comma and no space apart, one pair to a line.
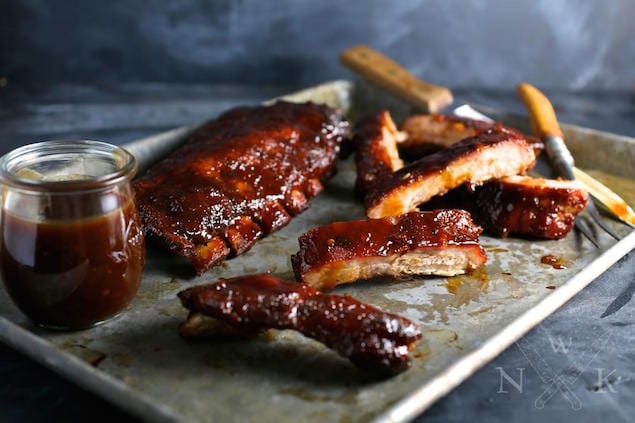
440,242
492,154
245,305
542,208
427,134
238,178
376,156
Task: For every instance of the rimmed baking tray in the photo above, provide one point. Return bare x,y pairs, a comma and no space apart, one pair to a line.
138,362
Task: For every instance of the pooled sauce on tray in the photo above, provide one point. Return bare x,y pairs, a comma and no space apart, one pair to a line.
72,273
553,261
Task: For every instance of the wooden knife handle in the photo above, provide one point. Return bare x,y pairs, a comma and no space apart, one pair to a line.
541,114
388,74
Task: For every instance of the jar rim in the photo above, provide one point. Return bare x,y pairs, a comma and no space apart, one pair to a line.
126,166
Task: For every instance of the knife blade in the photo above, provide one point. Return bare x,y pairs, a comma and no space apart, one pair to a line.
431,98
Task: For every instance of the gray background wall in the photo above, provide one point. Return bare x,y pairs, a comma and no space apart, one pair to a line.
486,43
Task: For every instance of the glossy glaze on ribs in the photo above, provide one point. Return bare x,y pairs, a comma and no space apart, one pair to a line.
536,207
492,154
239,178
376,156
439,242
370,338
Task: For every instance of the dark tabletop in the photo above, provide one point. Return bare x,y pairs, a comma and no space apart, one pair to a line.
506,389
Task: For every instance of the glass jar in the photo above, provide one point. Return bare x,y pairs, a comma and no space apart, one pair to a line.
72,249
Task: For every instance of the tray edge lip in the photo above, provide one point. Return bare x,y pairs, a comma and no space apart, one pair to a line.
83,374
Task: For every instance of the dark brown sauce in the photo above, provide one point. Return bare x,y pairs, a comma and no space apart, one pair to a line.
72,273
553,261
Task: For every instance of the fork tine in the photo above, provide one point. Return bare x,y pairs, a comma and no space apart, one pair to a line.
585,229
593,211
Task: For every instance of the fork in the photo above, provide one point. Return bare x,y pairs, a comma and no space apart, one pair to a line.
544,124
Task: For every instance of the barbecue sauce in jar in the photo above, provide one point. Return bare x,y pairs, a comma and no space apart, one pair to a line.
71,245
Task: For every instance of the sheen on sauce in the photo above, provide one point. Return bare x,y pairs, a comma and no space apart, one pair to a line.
70,273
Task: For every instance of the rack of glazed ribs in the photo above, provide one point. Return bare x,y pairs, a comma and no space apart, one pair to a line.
238,178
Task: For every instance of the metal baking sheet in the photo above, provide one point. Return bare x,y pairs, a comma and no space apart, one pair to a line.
138,361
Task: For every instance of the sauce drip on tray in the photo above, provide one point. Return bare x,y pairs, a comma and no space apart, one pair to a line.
553,261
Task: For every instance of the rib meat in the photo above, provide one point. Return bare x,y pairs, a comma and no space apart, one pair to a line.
440,242
426,134
376,156
238,178
492,154
369,337
542,208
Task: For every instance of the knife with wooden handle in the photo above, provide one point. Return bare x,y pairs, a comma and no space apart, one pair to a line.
544,124
431,98
391,76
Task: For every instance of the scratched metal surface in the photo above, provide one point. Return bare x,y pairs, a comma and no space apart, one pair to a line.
139,362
